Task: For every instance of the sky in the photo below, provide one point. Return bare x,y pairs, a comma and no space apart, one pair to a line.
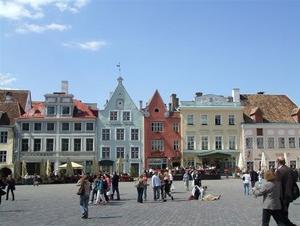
175,46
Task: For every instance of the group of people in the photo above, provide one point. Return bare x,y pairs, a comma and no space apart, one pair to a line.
10,185
97,190
279,190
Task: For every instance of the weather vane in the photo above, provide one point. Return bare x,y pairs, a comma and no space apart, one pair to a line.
119,67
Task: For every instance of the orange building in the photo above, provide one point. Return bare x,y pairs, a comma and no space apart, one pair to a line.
162,133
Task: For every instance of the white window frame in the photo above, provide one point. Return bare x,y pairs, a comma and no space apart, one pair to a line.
3,156
5,137
138,134
216,120
35,130
124,135
251,142
268,143
129,116
193,144
28,144
61,144
109,149
131,147
89,138
176,145
73,143
33,144
113,120
74,127
263,142
109,134
294,146
280,146
157,145
204,122
190,120
230,118
230,143
22,125
222,143
47,109
62,110
120,152
202,142
49,138
157,127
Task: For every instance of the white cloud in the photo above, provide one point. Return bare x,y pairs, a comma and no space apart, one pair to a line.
90,45
27,28
6,79
19,9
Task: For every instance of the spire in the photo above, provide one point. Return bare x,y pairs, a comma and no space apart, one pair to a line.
120,79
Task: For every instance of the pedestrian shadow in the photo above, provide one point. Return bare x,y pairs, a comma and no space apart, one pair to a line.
105,217
11,211
115,203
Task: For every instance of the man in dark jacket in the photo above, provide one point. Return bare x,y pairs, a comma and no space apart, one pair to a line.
284,175
11,186
115,185
254,177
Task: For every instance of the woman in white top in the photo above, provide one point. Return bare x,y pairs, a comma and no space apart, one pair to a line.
246,182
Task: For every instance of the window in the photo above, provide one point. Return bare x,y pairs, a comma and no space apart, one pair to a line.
259,132
113,116
66,110
134,134
271,164
203,120
126,116
176,127
37,126
25,126
249,142
232,143
37,144
281,142
105,134
120,152
157,126
77,126
176,145
105,152
190,142
190,119
260,142
77,144
65,144
218,120
50,110
271,142
2,156
89,144
157,145
3,137
292,142
25,144
156,110
120,134
65,126
49,144
89,126
134,152
231,120
50,126
204,143
218,143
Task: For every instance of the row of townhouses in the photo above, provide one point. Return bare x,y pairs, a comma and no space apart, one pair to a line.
208,130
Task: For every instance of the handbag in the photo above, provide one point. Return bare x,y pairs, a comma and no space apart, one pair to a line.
108,193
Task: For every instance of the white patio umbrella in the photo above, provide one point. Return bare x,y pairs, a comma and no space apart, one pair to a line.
286,158
263,162
48,168
69,169
241,162
24,169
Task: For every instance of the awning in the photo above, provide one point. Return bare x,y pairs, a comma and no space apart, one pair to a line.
224,153
74,166
106,162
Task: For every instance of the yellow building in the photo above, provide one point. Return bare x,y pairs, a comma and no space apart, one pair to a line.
211,130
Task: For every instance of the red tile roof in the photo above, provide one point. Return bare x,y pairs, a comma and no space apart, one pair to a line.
9,112
81,110
19,96
274,108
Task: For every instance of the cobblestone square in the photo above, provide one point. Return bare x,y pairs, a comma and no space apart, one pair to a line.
59,205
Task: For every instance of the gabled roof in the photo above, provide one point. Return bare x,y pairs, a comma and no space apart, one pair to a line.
156,96
19,96
274,108
9,112
81,110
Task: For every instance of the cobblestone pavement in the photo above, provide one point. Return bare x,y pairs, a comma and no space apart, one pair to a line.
59,205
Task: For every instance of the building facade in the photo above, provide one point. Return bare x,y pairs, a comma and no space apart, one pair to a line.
272,127
210,130
121,138
162,133
13,103
58,129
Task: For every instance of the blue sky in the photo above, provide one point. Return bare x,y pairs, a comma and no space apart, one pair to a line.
179,46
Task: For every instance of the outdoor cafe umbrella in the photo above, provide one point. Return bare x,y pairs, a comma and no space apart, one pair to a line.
69,169
24,169
241,163
42,169
285,158
263,162
48,168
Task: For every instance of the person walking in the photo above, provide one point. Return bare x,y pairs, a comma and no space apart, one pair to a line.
167,186
155,183
271,200
186,179
246,182
145,180
284,175
254,177
115,185
11,186
84,193
94,189
140,189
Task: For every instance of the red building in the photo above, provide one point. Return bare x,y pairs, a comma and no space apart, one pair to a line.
162,133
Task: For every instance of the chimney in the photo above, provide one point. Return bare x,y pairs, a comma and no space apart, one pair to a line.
198,94
65,87
236,95
141,105
174,102
8,97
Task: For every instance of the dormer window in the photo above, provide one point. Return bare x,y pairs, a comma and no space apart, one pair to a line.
66,110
